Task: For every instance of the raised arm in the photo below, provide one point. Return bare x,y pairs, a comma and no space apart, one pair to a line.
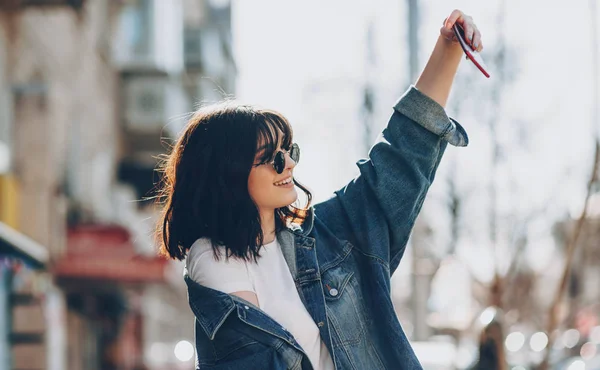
438,75
377,210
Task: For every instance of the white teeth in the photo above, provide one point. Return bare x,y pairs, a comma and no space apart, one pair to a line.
286,181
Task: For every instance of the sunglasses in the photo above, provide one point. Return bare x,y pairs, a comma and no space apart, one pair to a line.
278,161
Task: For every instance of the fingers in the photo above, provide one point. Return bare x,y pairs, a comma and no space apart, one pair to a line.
455,16
475,37
472,34
477,44
469,34
448,35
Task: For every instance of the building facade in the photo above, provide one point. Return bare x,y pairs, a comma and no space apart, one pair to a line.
89,92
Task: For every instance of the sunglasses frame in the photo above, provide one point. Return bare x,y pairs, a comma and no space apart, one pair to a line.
278,161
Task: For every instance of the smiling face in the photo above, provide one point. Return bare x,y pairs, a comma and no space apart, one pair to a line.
267,188
271,190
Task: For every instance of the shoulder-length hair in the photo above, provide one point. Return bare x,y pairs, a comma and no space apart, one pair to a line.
204,185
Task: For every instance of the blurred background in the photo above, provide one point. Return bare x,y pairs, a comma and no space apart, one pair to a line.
503,264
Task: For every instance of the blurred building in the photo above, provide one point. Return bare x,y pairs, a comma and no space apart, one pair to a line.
582,310
22,283
88,89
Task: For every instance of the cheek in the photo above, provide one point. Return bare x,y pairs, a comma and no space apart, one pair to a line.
258,185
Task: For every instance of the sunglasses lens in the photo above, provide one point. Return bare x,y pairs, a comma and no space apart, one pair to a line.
295,153
279,162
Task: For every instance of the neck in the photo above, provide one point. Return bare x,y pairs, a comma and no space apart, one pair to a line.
267,223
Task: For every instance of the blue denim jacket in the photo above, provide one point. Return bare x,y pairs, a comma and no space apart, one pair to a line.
341,260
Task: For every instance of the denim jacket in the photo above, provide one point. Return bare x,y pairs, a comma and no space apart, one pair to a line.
341,260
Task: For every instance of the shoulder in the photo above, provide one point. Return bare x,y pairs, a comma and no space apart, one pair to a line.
225,274
201,253
200,247
201,262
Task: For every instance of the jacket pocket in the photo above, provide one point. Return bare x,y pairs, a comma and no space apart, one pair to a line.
343,305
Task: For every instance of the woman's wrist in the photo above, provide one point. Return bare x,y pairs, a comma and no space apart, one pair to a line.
438,75
449,51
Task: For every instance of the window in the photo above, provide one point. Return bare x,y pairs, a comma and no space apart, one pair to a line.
149,36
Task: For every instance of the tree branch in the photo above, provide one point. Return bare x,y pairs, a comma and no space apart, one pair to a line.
553,319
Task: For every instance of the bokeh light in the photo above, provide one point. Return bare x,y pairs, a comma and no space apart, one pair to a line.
538,341
514,341
570,338
184,351
577,365
487,316
588,351
595,335
159,353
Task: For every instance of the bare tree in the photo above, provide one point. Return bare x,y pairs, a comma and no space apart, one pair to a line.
553,313
491,92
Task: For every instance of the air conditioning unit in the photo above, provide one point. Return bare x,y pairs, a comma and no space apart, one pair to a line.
149,36
154,103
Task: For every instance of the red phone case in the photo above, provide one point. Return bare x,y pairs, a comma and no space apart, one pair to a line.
473,55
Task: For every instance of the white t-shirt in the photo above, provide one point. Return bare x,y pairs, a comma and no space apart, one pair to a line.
270,279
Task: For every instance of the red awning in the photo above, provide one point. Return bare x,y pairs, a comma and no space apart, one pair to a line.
105,252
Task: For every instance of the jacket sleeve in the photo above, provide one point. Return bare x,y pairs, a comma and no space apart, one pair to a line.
377,210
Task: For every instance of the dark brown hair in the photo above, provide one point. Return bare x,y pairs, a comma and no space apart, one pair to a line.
204,185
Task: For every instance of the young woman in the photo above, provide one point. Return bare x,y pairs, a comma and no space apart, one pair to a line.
277,286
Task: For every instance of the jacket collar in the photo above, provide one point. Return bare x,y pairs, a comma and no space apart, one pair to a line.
309,222
211,307
296,236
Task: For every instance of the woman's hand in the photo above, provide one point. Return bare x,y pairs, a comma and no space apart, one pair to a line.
472,34
438,75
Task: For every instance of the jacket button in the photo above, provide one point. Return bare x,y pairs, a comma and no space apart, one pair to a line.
333,292
246,307
320,324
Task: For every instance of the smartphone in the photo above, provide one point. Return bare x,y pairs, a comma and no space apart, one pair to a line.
472,55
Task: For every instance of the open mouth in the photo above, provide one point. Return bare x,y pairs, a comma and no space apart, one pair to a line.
287,181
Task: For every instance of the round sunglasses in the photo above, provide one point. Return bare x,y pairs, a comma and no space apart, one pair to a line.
278,161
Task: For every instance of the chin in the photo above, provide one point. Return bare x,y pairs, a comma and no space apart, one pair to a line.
290,199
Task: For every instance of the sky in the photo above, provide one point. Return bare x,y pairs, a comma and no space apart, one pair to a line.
309,60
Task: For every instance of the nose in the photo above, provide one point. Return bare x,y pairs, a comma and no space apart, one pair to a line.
289,162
